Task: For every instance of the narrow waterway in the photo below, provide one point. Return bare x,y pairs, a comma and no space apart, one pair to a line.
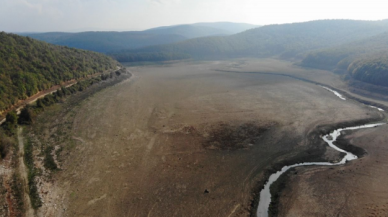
265,194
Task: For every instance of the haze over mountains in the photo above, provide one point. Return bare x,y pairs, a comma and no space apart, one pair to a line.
287,40
346,46
111,41
355,48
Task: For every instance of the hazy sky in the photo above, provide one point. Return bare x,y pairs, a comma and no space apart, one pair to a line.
82,15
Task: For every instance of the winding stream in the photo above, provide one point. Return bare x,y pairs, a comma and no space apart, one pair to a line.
265,194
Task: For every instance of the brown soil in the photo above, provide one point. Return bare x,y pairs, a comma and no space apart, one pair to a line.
356,189
156,145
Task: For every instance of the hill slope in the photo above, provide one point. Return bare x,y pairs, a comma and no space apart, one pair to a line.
233,28
373,69
113,41
363,60
28,66
189,31
287,40
340,57
203,29
106,41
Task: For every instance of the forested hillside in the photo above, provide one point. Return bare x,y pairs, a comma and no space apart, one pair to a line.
189,31
290,41
107,41
203,29
373,70
115,41
340,57
28,66
364,60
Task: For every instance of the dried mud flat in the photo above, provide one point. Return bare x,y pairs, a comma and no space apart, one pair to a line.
156,145
357,189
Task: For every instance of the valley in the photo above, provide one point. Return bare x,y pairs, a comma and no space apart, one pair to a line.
203,119
195,139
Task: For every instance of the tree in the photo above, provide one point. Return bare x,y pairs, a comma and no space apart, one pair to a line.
11,122
26,115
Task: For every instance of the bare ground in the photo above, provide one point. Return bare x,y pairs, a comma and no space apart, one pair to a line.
357,189
141,148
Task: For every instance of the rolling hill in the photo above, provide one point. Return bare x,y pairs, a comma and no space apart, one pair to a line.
106,41
363,60
189,31
113,41
28,66
339,58
290,41
372,69
203,29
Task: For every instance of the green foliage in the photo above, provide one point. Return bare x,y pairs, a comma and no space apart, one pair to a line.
107,41
364,60
373,70
49,162
28,66
6,143
32,172
17,190
11,122
27,115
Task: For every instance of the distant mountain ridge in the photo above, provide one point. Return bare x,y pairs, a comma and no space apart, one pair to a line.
113,41
291,41
228,28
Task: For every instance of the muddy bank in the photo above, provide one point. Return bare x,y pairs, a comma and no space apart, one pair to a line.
315,153
343,93
357,189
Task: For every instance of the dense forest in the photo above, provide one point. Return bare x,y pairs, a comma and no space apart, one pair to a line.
364,60
28,66
291,41
373,70
340,57
106,41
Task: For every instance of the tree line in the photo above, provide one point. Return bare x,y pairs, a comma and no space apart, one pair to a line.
28,66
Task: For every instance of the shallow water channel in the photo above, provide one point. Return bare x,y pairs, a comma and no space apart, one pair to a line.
265,194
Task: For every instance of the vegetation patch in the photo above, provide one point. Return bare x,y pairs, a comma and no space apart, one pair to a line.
32,173
17,193
28,66
49,161
229,137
